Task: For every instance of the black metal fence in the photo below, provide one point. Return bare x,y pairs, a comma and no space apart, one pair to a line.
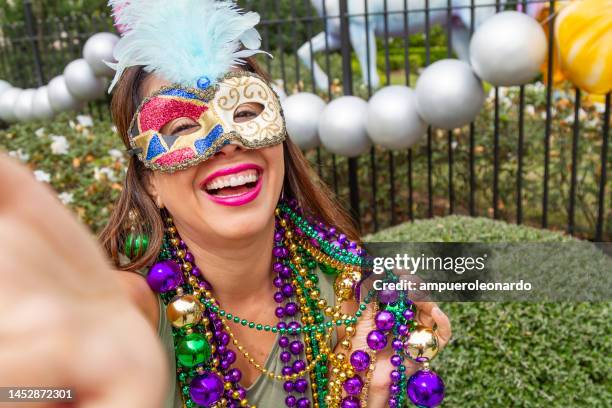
537,154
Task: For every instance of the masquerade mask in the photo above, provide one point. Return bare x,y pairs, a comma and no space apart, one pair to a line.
179,127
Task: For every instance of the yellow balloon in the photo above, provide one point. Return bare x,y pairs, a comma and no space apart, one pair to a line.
583,39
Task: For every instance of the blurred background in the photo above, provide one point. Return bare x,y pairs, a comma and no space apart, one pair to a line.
536,154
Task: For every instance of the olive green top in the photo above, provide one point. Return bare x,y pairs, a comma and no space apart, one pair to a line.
264,392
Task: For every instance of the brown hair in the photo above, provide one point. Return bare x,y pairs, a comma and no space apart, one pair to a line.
301,182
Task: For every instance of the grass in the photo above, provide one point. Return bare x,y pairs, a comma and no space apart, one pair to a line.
517,354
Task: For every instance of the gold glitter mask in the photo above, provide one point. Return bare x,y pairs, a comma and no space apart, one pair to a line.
213,113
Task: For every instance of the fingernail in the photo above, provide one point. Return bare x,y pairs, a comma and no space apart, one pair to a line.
436,310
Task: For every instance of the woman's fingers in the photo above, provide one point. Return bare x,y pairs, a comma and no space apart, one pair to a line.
443,325
25,200
65,320
430,315
424,313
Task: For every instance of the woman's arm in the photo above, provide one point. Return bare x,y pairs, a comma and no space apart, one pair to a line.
138,291
64,319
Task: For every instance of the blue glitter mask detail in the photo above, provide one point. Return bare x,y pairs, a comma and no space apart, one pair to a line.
205,143
155,148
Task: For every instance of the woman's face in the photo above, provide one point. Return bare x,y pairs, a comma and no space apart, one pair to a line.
232,195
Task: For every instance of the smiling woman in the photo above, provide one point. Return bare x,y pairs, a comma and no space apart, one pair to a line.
225,240
252,266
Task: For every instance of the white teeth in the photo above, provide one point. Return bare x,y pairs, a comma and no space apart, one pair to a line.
234,180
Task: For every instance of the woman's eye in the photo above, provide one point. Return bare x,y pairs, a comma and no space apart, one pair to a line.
245,114
248,111
180,127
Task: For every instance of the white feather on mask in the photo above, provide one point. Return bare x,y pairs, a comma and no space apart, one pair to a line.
183,40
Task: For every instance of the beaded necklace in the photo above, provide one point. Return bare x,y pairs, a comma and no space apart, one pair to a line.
332,378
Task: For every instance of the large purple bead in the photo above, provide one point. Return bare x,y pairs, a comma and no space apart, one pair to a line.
290,401
301,385
360,360
165,276
230,356
408,314
353,385
303,403
377,340
280,252
287,290
285,356
385,320
206,389
235,375
299,365
296,347
288,386
291,309
350,402
387,296
426,389
283,341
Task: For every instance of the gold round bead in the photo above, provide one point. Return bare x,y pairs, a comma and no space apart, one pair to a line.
422,345
184,311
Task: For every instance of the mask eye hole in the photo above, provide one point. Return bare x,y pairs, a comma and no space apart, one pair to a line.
180,127
247,111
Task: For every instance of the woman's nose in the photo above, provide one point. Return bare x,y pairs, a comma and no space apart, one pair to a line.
228,150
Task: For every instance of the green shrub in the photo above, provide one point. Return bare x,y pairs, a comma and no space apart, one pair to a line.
84,162
527,355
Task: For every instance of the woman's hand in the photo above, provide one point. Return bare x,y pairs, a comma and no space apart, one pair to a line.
428,315
65,321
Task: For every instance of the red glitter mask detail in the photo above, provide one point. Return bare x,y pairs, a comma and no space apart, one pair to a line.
176,157
161,110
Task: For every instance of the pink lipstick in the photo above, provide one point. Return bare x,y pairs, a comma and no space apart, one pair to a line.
234,186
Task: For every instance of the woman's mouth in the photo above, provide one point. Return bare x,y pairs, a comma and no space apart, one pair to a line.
234,186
